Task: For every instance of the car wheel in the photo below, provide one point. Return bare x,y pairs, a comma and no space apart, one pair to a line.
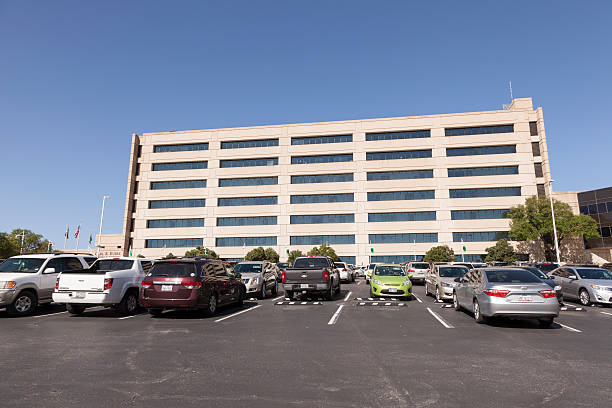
211,309
262,292
477,313
438,297
338,289
585,299
129,304
75,309
456,302
426,289
155,312
546,322
241,297
23,305
289,294
275,289
330,292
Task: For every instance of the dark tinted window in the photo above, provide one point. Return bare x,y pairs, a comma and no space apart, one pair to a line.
321,139
477,214
239,221
322,219
402,195
25,265
327,158
402,216
112,265
249,267
243,144
482,171
246,241
479,236
536,272
388,270
180,166
270,161
165,185
71,264
479,130
322,239
408,154
177,203
322,198
594,274
311,263
485,192
399,175
248,181
238,201
547,267
89,259
411,134
541,189
482,150
173,270
173,243
533,128
403,238
538,169
180,147
322,178
535,149
419,265
176,223
452,272
511,276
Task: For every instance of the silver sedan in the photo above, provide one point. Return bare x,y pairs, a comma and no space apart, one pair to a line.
506,292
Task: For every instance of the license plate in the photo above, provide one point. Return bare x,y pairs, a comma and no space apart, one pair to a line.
304,286
78,295
392,290
166,288
525,299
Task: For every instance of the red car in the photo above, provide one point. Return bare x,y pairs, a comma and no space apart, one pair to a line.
191,284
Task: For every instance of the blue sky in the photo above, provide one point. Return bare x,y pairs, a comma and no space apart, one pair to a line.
78,78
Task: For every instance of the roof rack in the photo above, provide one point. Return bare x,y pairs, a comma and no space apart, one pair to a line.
71,253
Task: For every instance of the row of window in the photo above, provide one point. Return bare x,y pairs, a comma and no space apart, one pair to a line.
411,134
599,208
327,239
248,181
166,185
328,218
195,165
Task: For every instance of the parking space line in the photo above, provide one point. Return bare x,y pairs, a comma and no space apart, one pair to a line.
438,318
359,283
334,318
417,298
606,313
129,317
50,314
570,328
279,297
348,295
237,313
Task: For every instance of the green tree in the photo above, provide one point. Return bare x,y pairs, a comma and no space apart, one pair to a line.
7,246
502,251
201,252
169,256
272,255
32,243
533,221
261,254
296,253
442,253
324,250
140,256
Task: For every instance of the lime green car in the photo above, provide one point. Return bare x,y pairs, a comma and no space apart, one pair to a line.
390,280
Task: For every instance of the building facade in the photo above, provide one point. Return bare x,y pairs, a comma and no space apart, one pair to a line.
376,190
598,205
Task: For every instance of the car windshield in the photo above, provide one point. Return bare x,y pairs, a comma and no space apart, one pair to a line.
537,273
112,265
603,274
480,265
511,276
452,272
389,271
421,265
248,267
310,263
339,265
173,270
23,265
282,265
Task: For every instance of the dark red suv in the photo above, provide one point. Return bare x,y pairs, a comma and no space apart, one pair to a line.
191,284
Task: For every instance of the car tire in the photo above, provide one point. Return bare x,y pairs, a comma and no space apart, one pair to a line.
129,303
289,294
409,297
426,289
438,297
262,292
478,314
330,292
456,304
24,304
275,289
155,312
338,289
213,303
75,310
241,297
584,297
546,322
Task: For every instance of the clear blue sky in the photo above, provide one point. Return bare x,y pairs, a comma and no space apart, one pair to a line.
78,78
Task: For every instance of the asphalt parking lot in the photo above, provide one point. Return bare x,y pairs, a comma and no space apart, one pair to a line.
344,353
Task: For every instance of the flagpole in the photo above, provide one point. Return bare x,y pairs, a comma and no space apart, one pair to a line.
78,235
101,220
66,236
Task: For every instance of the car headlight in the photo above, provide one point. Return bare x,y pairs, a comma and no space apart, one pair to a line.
376,282
446,285
597,287
407,283
255,280
7,284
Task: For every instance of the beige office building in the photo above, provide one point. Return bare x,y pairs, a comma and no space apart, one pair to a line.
380,190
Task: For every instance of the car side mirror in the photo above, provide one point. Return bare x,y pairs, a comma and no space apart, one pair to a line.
457,280
49,270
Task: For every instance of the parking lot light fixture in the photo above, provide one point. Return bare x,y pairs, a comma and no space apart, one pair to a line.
101,221
552,211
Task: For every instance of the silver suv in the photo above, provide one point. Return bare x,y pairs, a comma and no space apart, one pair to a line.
27,281
417,271
440,280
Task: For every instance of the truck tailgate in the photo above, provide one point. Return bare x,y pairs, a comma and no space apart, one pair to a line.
304,275
81,282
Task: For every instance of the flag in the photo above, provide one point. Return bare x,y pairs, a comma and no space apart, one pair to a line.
76,234
90,239
67,234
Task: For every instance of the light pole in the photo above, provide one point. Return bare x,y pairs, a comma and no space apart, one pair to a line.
552,210
22,235
101,221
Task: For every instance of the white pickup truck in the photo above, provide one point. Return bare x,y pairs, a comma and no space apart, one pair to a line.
112,282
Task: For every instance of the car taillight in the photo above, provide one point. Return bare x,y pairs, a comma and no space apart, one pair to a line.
497,292
57,283
108,282
192,285
429,270
284,278
548,293
410,270
146,284
344,270
325,275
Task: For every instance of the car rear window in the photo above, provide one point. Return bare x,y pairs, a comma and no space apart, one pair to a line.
310,263
547,267
421,265
112,265
511,276
173,270
594,274
452,272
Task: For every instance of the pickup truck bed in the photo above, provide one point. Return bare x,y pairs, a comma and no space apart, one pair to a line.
312,275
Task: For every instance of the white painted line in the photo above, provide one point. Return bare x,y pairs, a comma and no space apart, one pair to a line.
129,317
375,304
370,299
400,304
334,318
304,303
570,328
287,298
564,308
606,313
279,303
348,295
362,303
280,297
50,314
438,318
417,298
387,304
292,303
359,283
578,309
237,313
